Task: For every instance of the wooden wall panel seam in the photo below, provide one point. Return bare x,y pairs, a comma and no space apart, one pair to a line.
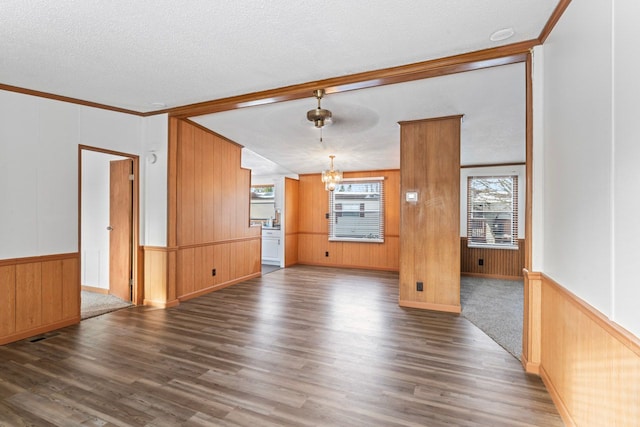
38,258
219,242
159,248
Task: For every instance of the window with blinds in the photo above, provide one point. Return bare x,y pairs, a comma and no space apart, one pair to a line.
492,211
356,210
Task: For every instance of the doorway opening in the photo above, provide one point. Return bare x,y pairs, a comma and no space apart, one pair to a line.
108,230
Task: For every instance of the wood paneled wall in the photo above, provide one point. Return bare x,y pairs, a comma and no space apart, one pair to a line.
291,221
430,227
38,294
213,189
313,233
208,215
158,291
590,365
502,263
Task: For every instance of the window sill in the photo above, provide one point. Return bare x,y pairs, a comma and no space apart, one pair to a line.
347,239
481,246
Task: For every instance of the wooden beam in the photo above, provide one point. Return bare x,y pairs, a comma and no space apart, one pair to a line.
553,20
503,55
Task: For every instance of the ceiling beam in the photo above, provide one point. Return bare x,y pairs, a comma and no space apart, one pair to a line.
553,20
503,55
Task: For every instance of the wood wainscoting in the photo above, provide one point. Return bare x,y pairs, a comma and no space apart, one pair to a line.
499,263
312,248
159,284
589,364
38,294
233,262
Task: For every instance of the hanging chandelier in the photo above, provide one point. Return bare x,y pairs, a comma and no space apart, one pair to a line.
319,115
331,177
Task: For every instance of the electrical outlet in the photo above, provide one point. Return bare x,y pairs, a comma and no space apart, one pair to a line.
213,272
480,261
326,253
419,286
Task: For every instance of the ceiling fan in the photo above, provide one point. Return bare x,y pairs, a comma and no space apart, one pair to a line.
320,115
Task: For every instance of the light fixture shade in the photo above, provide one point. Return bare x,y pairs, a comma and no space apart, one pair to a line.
331,177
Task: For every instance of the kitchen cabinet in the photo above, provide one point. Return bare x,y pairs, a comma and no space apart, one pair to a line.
271,244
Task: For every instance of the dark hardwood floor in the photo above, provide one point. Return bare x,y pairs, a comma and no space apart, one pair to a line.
301,346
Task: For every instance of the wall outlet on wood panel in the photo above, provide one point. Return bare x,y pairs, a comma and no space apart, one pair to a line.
326,253
419,286
480,261
213,272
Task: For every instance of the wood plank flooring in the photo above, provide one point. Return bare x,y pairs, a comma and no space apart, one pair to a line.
301,346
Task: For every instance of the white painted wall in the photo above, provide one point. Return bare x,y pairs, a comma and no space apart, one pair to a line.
38,176
39,141
518,170
590,156
94,258
153,192
577,155
626,197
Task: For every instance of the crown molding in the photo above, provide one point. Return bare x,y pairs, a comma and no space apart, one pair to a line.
68,99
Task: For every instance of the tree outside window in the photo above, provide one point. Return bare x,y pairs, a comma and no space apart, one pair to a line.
492,211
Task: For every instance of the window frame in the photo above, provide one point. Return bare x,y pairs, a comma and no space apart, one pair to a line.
513,244
360,212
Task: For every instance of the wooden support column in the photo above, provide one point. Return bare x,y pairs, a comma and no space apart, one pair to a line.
430,226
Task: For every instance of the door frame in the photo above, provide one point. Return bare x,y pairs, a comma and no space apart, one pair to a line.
137,290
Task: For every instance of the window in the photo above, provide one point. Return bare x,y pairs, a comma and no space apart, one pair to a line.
492,211
356,210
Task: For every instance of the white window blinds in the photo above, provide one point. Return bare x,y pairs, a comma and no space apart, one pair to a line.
492,211
356,210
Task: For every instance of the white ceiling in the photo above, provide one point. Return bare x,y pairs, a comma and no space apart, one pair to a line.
364,133
148,55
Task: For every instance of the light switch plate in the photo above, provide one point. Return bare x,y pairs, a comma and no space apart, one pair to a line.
411,196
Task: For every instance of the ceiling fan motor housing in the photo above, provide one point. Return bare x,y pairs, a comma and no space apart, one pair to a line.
319,115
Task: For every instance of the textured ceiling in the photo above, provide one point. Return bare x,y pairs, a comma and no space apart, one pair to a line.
148,55
364,133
